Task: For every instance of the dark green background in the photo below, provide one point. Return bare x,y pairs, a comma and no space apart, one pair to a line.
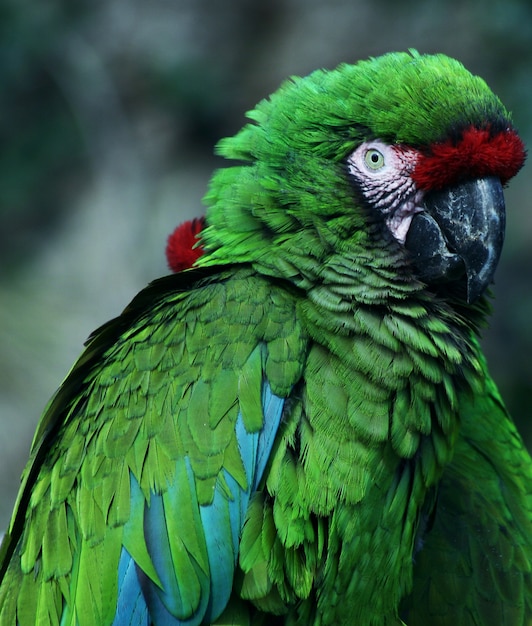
108,116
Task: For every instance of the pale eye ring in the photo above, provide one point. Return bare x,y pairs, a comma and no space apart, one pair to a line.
374,159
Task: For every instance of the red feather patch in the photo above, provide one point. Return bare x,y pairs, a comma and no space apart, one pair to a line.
476,154
180,251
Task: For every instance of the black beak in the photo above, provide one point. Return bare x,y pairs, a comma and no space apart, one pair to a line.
460,231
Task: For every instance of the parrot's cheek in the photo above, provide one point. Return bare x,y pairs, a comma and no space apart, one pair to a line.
460,233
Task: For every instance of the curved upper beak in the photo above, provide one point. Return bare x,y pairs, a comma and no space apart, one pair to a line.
460,230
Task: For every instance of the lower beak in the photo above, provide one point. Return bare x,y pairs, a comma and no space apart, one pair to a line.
460,231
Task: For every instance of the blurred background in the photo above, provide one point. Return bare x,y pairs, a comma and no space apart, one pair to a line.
109,111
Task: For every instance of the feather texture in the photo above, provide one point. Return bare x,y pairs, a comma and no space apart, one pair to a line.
161,502
301,430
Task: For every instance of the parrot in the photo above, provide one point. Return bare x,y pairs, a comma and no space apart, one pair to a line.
297,425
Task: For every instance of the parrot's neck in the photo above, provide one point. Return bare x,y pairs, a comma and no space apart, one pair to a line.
381,278
343,281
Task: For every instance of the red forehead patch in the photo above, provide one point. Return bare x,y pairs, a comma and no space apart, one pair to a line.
476,154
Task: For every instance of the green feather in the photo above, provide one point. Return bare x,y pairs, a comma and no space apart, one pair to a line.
396,487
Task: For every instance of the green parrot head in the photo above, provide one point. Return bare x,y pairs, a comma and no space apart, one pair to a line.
395,165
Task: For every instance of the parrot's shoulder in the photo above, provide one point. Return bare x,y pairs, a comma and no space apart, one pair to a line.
176,402
203,295
192,328
203,314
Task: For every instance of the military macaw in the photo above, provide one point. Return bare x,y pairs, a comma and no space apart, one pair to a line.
299,426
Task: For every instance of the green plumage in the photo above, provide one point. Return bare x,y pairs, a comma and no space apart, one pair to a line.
393,489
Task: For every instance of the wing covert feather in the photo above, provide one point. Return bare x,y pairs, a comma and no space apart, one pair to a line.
146,458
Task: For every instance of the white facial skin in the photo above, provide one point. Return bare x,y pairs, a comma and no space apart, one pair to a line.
383,174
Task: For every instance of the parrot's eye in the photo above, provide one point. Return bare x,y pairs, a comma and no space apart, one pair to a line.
374,159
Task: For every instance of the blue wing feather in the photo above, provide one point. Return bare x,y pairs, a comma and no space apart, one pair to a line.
273,409
223,538
131,609
219,522
140,600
